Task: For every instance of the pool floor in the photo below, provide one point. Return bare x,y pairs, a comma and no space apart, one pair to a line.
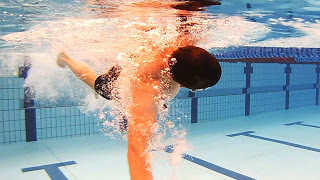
278,145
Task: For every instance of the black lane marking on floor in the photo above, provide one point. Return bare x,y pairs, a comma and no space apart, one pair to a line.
213,167
249,134
52,170
300,123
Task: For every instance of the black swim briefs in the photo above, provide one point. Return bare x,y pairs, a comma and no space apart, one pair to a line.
104,84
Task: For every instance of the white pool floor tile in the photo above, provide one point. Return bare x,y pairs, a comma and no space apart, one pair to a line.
99,157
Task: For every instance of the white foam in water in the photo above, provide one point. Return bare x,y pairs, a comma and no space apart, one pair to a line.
233,31
100,42
10,64
236,31
309,29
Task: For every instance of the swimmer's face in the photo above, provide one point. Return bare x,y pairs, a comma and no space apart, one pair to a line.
194,68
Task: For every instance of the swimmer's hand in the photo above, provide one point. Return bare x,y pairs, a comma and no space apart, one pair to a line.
62,59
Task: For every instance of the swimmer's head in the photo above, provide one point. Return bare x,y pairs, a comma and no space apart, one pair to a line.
194,68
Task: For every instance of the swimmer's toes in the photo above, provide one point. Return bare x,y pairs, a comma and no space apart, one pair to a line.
60,62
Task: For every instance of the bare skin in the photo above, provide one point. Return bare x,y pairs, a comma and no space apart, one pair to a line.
81,70
145,97
143,110
146,89
143,116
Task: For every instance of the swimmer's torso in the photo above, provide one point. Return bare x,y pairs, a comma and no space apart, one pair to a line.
151,60
159,79
153,69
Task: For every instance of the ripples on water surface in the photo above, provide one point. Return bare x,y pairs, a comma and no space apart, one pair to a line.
102,33
281,18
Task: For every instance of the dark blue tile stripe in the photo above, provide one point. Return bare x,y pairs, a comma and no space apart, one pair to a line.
317,96
248,70
194,110
211,92
317,82
288,72
300,123
251,90
293,123
52,170
308,125
264,89
194,107
300,87
30,112
213,167
249,134
241,133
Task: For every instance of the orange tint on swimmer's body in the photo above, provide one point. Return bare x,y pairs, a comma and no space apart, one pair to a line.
152,83
146,90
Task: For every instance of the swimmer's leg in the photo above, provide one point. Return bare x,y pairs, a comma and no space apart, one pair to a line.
139,156
143,115
80,69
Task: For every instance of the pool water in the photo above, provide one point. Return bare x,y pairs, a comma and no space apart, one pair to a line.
259,122
99,157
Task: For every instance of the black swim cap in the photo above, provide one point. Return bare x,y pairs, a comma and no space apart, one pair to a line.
194,68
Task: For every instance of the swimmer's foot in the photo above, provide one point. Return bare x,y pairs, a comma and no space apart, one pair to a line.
62,59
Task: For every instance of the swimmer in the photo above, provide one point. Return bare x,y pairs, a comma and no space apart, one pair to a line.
190,66
195,5
180,64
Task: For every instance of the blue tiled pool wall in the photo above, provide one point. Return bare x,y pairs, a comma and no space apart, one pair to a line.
271,87
267,90
59,122
64,118
52,120
12,117
180,109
